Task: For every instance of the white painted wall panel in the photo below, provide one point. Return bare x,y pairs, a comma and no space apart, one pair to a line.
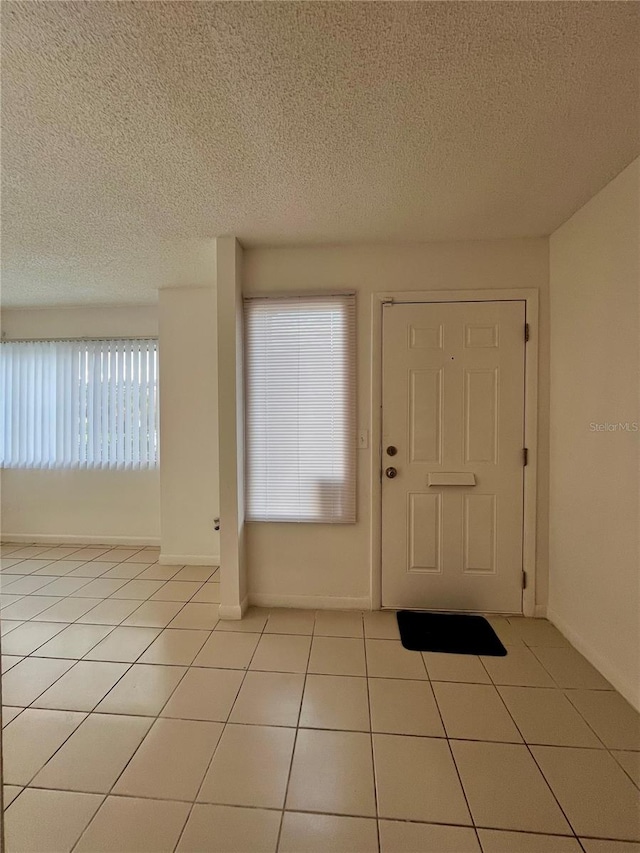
594,593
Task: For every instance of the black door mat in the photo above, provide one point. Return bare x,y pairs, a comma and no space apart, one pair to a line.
456,633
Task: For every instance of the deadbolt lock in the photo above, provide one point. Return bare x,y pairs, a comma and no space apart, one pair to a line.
391,450
391,473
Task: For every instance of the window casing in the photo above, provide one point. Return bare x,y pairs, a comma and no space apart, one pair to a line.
300,409
79,404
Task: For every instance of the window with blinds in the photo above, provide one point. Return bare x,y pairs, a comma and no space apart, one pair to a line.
79,404
300,409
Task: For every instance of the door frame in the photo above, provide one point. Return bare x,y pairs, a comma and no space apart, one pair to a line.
530,297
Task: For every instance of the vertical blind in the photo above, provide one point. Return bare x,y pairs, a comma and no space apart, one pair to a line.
79,404
300,409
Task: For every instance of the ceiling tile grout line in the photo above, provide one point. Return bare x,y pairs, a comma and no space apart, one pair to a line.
297,729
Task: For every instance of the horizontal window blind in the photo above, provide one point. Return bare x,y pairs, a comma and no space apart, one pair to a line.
79,404
300,409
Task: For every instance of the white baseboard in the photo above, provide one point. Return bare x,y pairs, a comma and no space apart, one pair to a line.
627,687
234,611
69,539
540,611
189,560
309,602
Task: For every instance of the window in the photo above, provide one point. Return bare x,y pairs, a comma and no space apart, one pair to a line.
300,397
79,404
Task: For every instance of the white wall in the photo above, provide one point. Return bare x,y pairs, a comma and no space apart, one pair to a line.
189,425
331,565
77,505
594,593
233,586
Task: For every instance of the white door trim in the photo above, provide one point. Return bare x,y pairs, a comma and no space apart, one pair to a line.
530,297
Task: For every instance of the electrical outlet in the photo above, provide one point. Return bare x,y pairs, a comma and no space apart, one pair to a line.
363,439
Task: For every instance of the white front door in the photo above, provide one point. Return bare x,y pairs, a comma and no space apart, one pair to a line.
453,430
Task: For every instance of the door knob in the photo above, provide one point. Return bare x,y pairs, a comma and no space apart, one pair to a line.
391,473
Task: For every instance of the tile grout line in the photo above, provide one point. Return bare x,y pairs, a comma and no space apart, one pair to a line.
329,814
71,733
548,784
410,821
87,713
453,758
297,729
224,726
373,755
532,649
154,720
31,653
71,710
91,579
314,728
609,749
497,687
624,769
566,691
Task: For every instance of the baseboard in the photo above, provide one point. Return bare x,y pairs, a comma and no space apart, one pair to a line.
540,611
309,602
189,560
628,688
234,611
69,539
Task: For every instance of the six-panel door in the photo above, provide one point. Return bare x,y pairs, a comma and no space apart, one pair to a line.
453,407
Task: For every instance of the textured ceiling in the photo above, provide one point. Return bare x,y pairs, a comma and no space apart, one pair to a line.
132,131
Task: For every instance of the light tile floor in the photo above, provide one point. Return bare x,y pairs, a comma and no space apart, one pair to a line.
136,721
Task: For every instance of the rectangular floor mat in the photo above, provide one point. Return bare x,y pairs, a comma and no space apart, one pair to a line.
461,634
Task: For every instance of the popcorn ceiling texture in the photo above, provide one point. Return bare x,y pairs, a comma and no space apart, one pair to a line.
132,132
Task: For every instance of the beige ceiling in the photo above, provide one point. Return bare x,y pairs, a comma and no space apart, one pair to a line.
133,131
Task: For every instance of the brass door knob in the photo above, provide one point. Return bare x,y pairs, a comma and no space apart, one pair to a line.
391,473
